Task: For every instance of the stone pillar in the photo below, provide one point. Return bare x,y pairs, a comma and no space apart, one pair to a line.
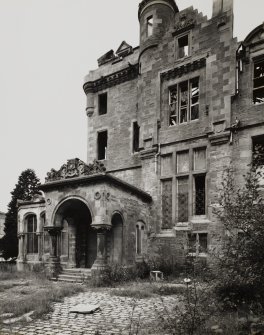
100,262
40,251
21,254
54,261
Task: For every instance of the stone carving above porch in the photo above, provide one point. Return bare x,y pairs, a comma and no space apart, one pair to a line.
75,168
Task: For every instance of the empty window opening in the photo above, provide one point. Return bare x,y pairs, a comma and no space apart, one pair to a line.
199,195
102,145
184,101
258,151
183,46
149,26
136,133
197,243
140,231
258,83
32,237
102,101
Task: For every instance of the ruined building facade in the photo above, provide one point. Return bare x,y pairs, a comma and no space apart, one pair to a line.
164,120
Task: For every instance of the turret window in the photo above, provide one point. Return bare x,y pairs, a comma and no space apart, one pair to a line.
258,83
102,102
149,26
102,145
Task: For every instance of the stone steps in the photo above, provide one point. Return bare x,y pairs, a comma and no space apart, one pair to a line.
74,275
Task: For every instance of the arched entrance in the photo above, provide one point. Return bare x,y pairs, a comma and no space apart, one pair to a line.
115,239
78,241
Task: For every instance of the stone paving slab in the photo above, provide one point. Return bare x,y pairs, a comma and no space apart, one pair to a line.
117,315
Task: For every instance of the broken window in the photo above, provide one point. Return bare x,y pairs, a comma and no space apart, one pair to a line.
32,238
197,243
136,132
102,145
194,99
258,83
183,187
183,46
258,151
149,26
102,102
173,98
199,183
184,102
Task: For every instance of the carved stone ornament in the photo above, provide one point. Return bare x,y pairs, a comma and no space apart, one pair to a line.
186,22
75,168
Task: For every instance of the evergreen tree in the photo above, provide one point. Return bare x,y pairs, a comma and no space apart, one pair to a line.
27,186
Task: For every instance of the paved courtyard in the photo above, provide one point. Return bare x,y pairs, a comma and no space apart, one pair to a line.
117,315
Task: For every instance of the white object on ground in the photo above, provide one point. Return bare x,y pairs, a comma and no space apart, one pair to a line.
84,309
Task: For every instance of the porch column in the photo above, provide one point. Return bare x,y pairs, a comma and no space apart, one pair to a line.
54,265
100,262
39,246
21,254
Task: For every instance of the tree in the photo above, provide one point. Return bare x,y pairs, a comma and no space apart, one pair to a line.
241,266
28,185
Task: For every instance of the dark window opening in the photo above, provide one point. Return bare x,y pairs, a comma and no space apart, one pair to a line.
197,243
149,26
199,195
102,145
258,151
102,100
258,83
173,98
136,132
183,46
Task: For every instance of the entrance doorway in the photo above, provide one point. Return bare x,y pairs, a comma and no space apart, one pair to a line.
78,241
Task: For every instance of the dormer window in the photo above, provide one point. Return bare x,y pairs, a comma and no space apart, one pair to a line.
149,26
183,46
258,83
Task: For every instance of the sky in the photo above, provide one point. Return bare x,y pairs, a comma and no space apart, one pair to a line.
47,47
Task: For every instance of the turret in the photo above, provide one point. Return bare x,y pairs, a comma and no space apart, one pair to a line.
155,18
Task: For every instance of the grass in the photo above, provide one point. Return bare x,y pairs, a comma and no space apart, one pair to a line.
22,292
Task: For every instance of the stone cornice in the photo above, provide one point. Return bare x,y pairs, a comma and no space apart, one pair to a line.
116,78
97,178
183,69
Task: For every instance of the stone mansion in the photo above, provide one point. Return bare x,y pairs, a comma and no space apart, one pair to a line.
165,119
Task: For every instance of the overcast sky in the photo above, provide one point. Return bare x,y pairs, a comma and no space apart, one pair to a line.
47,47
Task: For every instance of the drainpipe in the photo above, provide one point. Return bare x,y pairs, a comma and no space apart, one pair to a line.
156,159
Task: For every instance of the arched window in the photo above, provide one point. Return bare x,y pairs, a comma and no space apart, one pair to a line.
64,238
32,238
140,237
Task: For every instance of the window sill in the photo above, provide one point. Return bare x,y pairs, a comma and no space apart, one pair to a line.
183,123
200,255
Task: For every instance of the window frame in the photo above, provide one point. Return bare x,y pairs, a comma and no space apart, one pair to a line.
149,26
190,174
98,147
175,103
197,243
255,62
177,48
32,247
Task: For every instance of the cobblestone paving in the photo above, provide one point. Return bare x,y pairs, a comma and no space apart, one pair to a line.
117,315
